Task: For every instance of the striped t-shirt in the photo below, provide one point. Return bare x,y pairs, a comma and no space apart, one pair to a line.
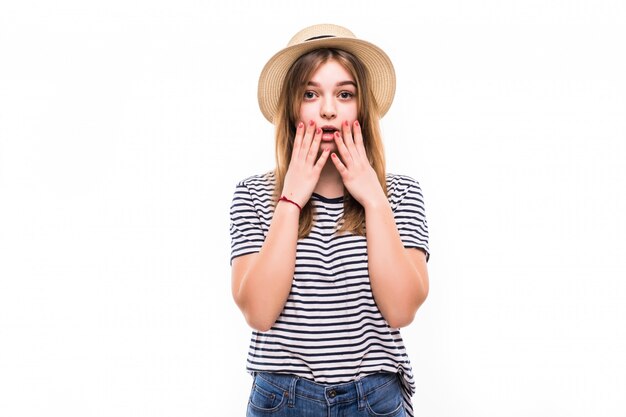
330,330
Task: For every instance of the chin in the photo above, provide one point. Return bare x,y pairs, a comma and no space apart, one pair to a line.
330,146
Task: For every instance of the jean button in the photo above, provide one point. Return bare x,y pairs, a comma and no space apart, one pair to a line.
332,393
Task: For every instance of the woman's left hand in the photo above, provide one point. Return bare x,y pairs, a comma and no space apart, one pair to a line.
357,174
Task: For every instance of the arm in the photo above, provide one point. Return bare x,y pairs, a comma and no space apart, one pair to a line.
398,276
261,281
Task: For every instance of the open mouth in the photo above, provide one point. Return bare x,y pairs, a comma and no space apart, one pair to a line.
328,133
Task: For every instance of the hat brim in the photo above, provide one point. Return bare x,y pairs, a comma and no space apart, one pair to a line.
377,63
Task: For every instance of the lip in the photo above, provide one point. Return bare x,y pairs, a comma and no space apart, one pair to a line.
329,136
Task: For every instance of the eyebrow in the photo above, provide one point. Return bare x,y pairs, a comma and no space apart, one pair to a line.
339,84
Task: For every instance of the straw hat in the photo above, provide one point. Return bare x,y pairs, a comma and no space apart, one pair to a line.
379,67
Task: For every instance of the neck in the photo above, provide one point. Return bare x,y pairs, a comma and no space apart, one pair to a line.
330,184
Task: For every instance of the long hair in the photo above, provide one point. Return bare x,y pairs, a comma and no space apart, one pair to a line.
287,116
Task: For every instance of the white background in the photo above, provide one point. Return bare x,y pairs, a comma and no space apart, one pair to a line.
125,125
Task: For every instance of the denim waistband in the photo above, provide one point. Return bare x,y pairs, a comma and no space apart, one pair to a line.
295,386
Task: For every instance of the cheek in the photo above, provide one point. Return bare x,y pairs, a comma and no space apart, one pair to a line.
350,112
306,113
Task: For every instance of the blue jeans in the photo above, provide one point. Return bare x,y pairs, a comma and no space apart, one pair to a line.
283,395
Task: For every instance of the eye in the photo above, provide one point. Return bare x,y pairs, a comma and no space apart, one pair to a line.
346,95
309,95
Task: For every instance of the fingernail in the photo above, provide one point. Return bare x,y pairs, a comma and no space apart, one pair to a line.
300,125
356,123
311,122
345,123
319,130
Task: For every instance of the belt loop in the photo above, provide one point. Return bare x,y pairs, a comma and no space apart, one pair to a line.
360,394
291,402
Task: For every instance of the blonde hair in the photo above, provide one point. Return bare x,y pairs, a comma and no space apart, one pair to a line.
287,116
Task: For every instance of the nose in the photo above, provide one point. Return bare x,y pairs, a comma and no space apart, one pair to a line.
328,110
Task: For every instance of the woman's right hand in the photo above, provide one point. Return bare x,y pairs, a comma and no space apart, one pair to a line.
304,171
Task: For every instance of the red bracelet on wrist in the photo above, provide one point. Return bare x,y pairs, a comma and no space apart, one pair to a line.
283,198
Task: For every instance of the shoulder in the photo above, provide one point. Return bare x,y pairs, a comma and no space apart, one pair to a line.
398,184
257,189
259,184
403,188
257,181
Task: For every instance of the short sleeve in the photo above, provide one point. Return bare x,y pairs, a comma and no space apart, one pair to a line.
410,214
246,230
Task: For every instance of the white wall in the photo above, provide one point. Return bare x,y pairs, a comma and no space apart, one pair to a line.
124,127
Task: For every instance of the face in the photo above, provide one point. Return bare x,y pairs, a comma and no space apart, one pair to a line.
330,99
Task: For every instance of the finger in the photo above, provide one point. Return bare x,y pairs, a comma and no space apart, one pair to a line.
358,139
322,160
315,145
308,137
341,168
343,151
297,141
347,138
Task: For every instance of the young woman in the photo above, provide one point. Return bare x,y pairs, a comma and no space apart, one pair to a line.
329,251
